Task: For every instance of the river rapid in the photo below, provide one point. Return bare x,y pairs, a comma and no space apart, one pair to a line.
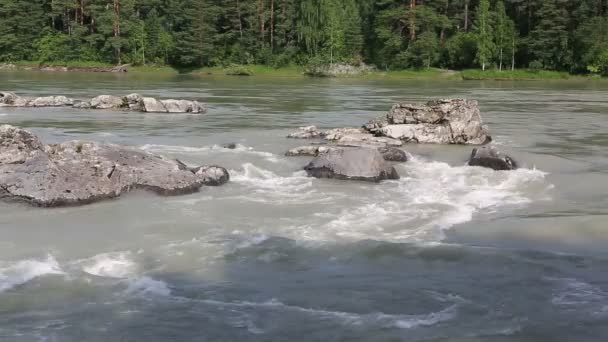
446,253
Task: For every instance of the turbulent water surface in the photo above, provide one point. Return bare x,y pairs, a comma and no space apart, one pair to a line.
446,253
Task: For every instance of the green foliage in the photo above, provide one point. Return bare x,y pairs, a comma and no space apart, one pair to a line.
391,34
237,70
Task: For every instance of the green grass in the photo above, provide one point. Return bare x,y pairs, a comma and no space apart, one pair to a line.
518,74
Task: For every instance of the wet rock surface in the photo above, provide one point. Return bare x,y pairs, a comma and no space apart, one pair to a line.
362,164
490,157
77,172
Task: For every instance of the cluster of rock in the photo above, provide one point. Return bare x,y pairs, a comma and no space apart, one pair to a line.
117,68
343,151
133,102
76,172
338,69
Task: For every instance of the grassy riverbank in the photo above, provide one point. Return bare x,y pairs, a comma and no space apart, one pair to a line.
298,71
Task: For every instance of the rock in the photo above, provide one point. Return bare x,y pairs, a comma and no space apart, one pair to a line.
212,175
77,172
17,145
82,105
308,132
309,150
7,98
51,101
107,102
134,102
452,121
338,133
152,105
365,164
183,106
368,139
490,157
393,154
337,69
389,153
230,146
7,66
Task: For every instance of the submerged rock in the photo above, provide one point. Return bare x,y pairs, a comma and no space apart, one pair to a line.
76,172
490,157
450,121
364,164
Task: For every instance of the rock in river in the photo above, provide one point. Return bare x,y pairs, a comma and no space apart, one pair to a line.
365,164
76,172
490,157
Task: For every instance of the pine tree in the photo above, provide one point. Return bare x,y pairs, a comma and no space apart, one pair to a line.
549,39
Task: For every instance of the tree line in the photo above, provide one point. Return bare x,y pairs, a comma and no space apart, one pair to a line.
565,35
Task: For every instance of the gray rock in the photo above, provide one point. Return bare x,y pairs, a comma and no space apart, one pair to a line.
393,154
134,102
152,105
51,101
490,157
308,132
364,164
230,146
77,172
212,175
107,102
82,105
451,121
7,98
309,150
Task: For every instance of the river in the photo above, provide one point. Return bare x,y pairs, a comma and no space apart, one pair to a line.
446,253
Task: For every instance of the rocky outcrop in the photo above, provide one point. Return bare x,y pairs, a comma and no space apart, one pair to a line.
132,102
363,164
76,172
451,121
337,70
490,157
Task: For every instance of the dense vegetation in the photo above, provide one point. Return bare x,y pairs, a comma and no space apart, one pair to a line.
562,35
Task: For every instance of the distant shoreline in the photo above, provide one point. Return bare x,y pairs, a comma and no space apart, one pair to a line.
298,71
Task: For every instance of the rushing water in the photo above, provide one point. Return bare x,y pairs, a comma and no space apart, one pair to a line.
447,253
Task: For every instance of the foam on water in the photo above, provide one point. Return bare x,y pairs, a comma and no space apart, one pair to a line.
146,286
239,149
112,265
350,318
429,198
23,271
574,293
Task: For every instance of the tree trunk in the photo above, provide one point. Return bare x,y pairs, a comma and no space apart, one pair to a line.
116,28
271,25
466,16
513,54
500,61
261,18
238,13
412,20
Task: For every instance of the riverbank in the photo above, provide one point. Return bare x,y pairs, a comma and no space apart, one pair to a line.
299,71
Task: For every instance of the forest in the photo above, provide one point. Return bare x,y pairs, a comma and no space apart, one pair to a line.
562,35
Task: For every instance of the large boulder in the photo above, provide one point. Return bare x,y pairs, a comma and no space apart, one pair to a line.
152,105
451,121
77,172
7,98
490,157
134,102
107,102
183,106
364,164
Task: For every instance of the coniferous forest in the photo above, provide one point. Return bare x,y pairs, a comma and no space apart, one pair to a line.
563,35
